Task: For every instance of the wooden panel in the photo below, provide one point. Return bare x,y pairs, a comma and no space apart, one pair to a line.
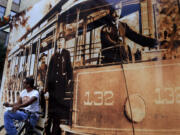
100,96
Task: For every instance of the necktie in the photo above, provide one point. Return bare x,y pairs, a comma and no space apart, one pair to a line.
60,51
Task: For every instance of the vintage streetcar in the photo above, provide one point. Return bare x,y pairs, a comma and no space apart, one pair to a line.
136,94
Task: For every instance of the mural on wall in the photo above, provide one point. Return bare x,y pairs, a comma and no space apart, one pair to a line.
118,56
27,19
168,27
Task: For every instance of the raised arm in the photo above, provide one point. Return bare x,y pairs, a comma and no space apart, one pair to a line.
139,38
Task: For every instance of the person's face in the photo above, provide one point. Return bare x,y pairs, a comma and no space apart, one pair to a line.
43,65
43,59
26,85
60,43
118,12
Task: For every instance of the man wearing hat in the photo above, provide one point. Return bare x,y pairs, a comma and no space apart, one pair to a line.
113,34
59,76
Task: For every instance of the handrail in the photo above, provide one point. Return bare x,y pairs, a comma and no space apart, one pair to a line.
107,48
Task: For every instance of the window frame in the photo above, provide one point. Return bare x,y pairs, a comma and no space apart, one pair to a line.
1,7
18,3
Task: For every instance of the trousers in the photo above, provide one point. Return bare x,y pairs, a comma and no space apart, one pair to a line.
55,123
9,118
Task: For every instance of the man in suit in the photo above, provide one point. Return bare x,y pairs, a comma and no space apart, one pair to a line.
59,76
113,33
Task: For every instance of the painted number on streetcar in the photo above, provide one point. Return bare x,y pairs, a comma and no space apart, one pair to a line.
167,95
99,98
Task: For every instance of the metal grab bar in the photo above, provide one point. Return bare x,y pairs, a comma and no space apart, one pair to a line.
107,48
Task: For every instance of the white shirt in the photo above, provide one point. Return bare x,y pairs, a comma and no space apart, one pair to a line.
59,50
34,107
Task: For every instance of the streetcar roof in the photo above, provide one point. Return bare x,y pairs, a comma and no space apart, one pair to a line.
63,9
85,7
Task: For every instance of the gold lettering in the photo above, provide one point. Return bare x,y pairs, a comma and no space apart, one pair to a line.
88,102
169,100
177,92
108,95
100,98
159,100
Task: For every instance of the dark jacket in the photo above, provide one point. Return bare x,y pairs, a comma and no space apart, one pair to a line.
59,72
110,36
